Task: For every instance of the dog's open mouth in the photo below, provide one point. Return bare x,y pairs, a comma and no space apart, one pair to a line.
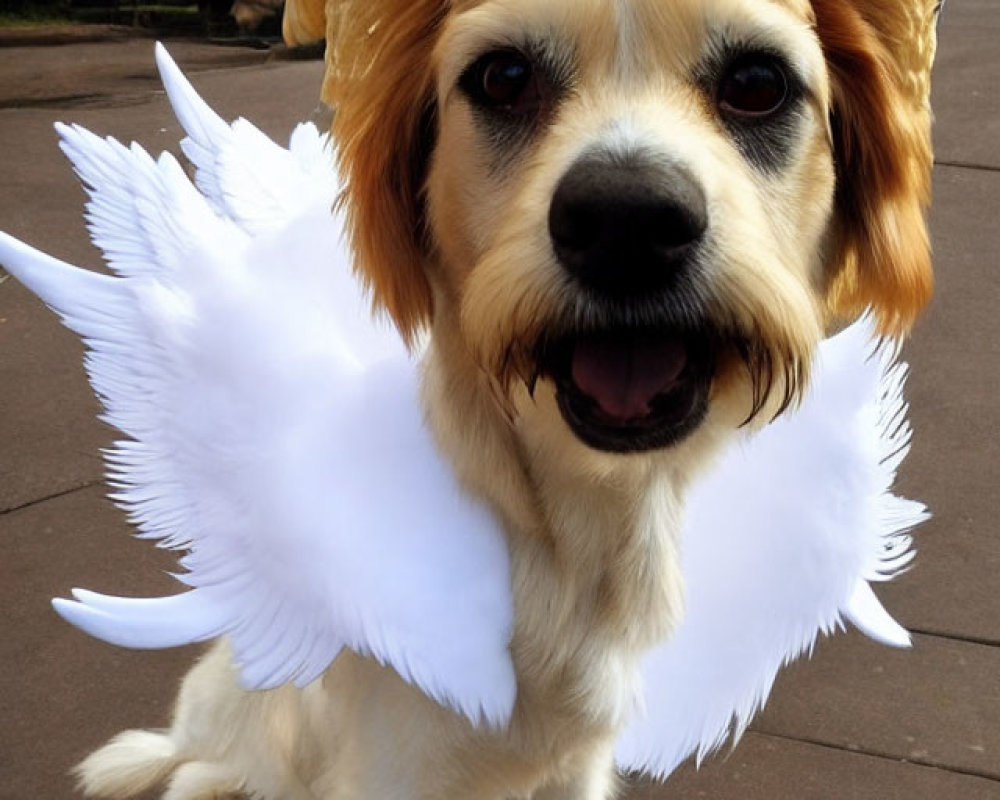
629,391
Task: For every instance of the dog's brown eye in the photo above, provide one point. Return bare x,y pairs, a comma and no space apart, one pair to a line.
753,86
503,80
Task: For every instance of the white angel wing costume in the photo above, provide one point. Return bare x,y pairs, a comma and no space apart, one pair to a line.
275,436
274,431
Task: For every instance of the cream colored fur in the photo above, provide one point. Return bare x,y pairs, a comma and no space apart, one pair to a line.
591,535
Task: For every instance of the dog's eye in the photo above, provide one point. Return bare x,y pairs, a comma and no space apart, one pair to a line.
504,80
753,86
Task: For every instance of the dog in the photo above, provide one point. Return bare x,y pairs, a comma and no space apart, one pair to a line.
626,226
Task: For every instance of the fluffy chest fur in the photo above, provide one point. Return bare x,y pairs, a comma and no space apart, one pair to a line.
593,555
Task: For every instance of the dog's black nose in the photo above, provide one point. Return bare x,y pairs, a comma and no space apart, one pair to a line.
626,226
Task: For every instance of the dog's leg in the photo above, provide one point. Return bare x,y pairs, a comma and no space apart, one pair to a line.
133,762
600,785
199,780
598,780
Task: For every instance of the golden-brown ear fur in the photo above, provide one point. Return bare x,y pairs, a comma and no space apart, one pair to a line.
303,21
379,82
879,54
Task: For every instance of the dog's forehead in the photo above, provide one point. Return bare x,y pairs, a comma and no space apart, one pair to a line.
802,8
631,36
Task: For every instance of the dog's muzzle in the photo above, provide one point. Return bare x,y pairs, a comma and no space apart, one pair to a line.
627,229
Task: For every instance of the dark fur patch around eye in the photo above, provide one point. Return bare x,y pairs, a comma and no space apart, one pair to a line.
420,156
510,129
767,141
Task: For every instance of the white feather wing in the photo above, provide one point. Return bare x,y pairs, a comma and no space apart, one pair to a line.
239,170
780,542
262,406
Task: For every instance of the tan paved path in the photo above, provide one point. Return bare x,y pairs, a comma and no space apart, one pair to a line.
859,722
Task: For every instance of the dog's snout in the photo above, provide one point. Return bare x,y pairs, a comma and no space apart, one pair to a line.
626,226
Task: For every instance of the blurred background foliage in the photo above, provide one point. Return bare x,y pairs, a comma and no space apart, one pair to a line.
196,17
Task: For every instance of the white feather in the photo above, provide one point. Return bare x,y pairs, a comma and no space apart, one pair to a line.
780,542
275,434
242,173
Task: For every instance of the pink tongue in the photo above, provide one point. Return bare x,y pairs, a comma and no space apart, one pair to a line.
623,376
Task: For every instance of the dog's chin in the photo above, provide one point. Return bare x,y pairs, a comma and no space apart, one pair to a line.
631,391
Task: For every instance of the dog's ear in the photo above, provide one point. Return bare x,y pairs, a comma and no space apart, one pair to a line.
303,22
379,82
879,54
